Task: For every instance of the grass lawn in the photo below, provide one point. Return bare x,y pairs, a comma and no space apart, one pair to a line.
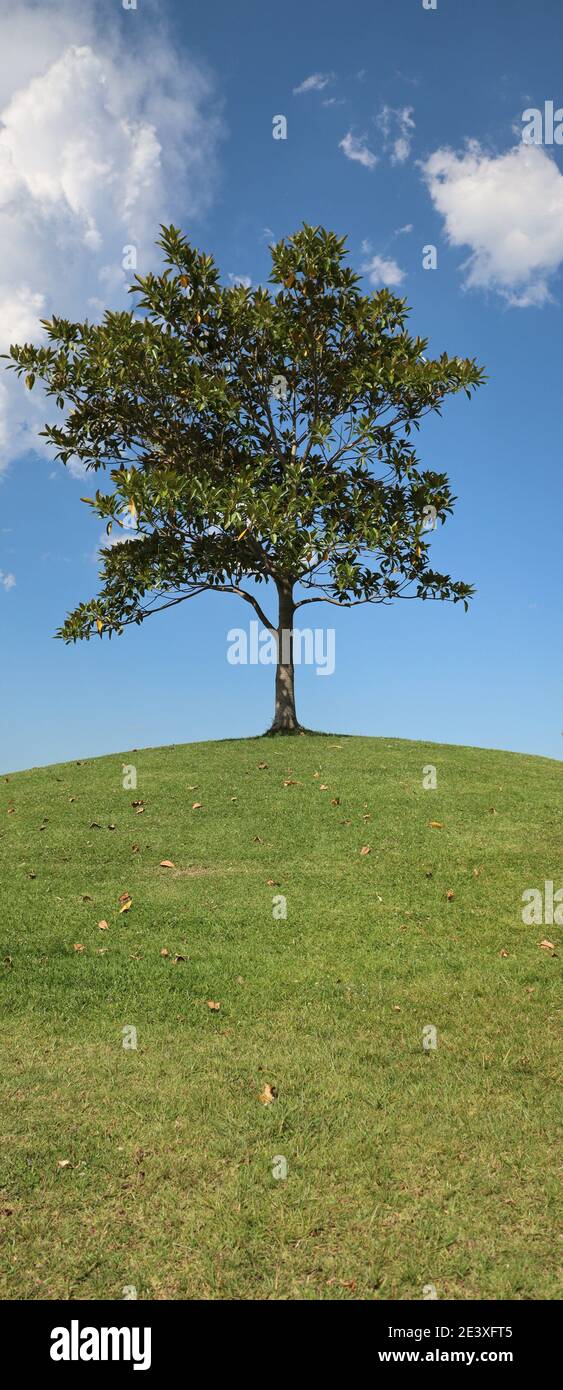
153,1166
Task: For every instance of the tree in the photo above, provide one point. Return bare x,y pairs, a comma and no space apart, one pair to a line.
253,437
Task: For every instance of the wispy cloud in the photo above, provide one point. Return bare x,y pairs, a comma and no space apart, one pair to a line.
355,147
7,580
396,125
315,83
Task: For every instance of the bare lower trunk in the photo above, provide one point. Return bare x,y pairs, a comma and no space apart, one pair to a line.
285,718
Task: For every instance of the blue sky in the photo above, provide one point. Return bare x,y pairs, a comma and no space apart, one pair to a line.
407,133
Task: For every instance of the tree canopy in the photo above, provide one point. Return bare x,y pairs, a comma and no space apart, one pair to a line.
252,437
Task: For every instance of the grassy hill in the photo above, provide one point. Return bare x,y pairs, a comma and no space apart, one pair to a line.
153,1166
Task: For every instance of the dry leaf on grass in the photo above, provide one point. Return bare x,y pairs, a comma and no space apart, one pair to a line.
213,1005
547,945
137,803
262,767
436,825
63,1163
164,952
103,926
78,946
268,1095
166,864
366,849
450,895
197,806
126,902
335,801
504,953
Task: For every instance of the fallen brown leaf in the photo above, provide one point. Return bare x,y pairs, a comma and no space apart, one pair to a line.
450,895
197,806
78,946
268,1095
166,864
164,952
436,825
211,1004
262,767
547,945
103,925
366,849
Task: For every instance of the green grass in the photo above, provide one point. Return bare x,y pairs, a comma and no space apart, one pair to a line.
405,1167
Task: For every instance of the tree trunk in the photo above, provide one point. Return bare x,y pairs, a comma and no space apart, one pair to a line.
285,718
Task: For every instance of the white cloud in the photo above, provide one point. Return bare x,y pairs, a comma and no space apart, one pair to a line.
243,280
315,83
101,140
7,580
508,209
355,147
403,231
382,271
396,125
